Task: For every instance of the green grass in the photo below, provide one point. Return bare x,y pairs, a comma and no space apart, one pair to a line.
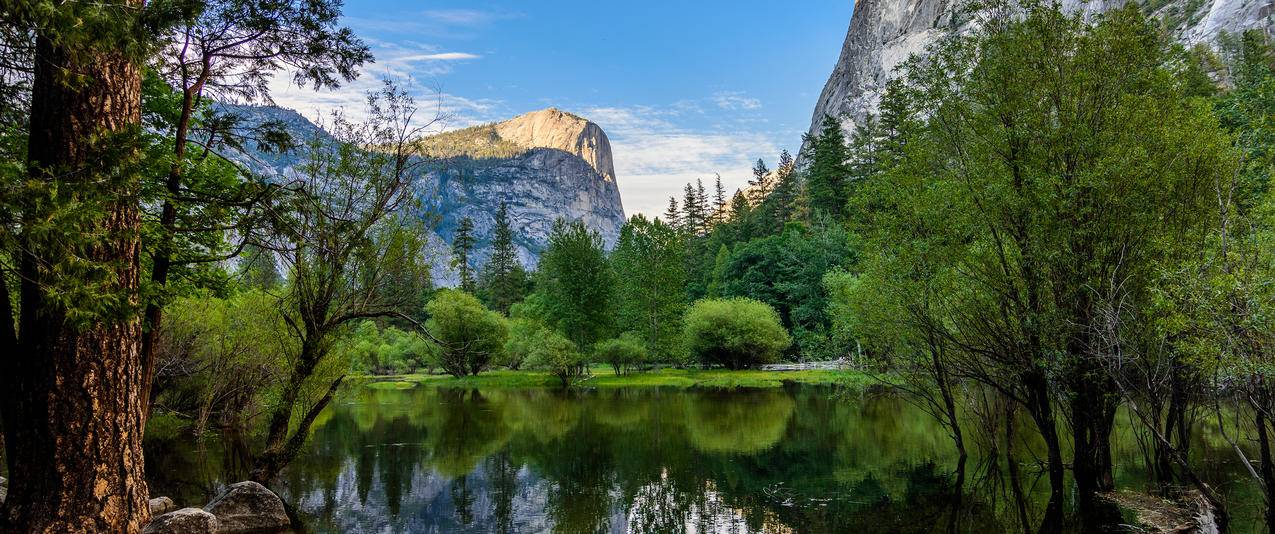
603,377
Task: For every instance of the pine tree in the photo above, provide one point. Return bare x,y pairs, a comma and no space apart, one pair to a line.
719,201
702,202
691,219
826,180
672,216
503,277
739,207
760,184
462,245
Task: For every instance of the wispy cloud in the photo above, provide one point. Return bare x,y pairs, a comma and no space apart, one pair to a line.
654,157
735,100
467,17
437,23
442,56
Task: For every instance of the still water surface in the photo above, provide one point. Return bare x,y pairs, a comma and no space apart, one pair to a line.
797,459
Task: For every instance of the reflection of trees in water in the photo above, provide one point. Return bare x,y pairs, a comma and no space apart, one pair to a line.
737,422
643,460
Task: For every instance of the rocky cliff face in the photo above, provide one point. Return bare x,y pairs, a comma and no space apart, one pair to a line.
544,165
884,33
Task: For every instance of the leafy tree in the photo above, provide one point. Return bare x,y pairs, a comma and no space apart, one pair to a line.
828,171
229,49
469,337
576,283
258,269
504,281
623,353
347,232
559,356
649,283
719,271
1027,189
786,271
524,336
462,245
218,358
737,333
375,350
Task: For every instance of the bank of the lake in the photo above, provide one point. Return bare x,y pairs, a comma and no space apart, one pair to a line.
604,377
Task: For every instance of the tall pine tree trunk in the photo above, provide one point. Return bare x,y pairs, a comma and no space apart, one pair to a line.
72,395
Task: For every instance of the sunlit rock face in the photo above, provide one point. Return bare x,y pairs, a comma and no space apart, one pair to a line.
544,165
884,33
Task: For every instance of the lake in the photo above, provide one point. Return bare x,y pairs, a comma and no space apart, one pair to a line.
792,459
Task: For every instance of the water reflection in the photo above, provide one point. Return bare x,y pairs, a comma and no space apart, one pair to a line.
639,460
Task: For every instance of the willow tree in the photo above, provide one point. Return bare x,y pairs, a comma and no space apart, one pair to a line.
71,386
1059,163
347,234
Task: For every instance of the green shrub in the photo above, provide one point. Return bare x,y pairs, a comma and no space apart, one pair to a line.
623,353
524,336
558,356
468,335
737,333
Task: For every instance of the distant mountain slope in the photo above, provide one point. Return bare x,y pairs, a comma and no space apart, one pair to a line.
544,165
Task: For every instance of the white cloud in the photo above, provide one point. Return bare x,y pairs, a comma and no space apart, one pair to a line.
654,158
735,100
412,66
444,56
467,17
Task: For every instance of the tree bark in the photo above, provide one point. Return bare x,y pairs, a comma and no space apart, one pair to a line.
1042,413
72,396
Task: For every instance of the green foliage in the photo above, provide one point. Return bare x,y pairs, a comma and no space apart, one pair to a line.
468,336
624,353
737,333
503,279
558,356
786,271
372,349
480,141
524,336
462,246
576,282
649,284
219,359
829,172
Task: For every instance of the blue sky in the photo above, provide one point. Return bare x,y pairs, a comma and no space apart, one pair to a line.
684,89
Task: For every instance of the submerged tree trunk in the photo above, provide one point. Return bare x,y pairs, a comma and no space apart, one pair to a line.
1041,410
1268,470
72,395
1015,479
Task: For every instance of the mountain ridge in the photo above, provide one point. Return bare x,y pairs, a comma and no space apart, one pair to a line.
544,165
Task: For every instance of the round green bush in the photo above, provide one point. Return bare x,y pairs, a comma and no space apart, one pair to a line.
736,333
623,353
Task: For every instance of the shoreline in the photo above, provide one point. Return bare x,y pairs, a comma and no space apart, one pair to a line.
604,377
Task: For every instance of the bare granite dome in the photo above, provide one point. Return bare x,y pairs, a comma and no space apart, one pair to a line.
555,129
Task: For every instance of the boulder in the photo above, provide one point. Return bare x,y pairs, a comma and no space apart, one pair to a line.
184,521
161,505
248,507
